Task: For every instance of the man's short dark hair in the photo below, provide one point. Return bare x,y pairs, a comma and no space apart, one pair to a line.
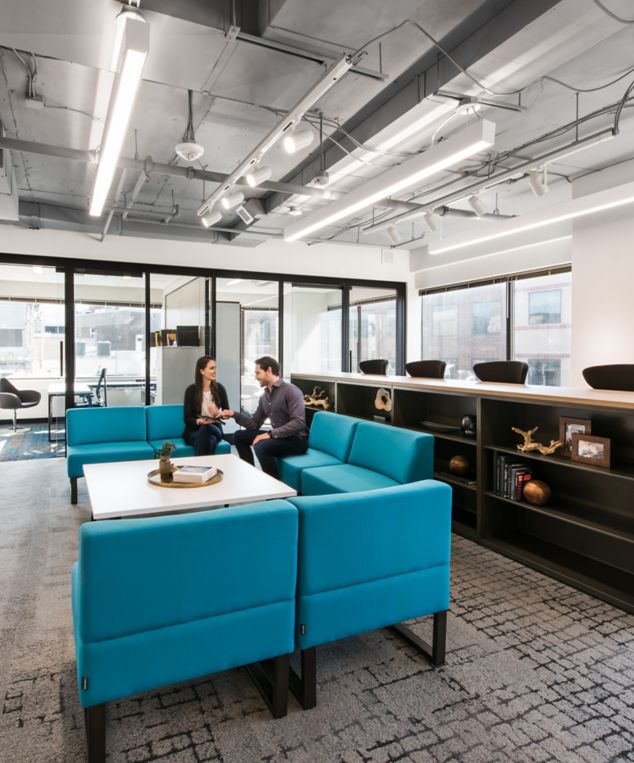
267,362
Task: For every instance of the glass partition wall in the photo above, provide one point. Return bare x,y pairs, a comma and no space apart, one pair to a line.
312,328
372,326
88,333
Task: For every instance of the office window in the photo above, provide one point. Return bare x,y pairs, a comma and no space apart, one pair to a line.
547,371
544,307
541,334
487,317
463,324
444,320
11,337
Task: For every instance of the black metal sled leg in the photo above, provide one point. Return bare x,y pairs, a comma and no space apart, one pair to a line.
271,680
304,687
73,490
95,720
436,652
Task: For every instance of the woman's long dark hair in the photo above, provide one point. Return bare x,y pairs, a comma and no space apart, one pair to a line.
201,364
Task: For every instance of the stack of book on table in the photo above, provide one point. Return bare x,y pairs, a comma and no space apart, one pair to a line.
191,473
510,477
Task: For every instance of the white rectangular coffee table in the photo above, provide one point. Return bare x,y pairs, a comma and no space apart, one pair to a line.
121,489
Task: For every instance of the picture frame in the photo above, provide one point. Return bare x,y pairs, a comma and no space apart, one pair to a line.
591,449
567,428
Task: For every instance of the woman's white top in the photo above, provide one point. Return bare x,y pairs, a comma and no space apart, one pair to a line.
208,406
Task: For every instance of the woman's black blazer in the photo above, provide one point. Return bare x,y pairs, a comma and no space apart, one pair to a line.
190,414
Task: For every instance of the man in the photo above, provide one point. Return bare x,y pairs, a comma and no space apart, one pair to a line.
283,403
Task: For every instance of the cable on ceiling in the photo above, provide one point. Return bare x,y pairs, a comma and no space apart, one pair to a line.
588,89
612,14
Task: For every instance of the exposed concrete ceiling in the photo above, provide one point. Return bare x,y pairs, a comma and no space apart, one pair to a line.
248,63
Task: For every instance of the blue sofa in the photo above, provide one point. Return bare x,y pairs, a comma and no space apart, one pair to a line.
348,455
130,433
369,560
163,600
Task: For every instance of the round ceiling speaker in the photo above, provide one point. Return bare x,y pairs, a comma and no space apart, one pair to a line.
189,151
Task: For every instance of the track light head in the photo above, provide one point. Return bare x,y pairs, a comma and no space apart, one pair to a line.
231,200
211,218
476,204
538,183
393,234
433,221
298,138
258,176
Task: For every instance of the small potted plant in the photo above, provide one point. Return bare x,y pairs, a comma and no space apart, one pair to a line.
165,465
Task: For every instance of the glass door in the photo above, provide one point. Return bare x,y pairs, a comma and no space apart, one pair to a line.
32,346
372,326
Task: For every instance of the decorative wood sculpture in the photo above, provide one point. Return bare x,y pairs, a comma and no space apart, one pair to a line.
318,398
529,444
383,400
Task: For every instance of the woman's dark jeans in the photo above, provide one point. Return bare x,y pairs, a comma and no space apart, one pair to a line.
205,439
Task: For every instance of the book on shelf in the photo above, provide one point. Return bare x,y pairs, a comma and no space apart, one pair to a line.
192,473
510,477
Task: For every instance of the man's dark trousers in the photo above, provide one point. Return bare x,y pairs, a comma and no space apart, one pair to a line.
269,450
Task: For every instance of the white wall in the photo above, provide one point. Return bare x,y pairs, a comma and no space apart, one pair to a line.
272,256
603,279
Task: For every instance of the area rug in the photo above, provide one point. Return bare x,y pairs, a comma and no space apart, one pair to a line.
536,671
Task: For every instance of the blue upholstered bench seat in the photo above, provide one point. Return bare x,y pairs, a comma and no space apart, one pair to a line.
189,595
124,433
105,452
329,441
342,478
379,456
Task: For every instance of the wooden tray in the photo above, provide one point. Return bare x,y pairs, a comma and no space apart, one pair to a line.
154,478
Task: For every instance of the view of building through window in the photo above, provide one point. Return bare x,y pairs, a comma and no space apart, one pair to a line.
468,325
372,326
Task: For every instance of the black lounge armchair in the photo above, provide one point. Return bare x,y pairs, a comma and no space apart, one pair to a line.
426,369
377,366
12,399
507,371
619,376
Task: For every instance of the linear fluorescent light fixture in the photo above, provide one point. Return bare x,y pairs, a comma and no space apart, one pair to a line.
591,204
319,89
134,51
437,158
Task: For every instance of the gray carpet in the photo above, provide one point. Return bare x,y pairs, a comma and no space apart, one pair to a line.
535,670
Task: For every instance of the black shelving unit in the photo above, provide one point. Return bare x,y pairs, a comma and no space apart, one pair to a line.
584,535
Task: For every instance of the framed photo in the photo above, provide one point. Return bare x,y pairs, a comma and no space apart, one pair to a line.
569,427
591,449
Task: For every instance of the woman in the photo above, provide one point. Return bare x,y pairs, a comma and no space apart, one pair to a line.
205,399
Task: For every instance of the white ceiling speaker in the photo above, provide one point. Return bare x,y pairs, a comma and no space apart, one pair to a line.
257,177
188,149
476,204
538,183
295,140
433,221
211,218
231,200
393,234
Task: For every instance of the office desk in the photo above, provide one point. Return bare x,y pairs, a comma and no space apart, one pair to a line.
58,389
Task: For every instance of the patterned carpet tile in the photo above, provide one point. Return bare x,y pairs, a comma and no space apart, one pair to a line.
536,671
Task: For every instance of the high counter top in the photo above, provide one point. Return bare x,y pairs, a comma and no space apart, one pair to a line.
599,398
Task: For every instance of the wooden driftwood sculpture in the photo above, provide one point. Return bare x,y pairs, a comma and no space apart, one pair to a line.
529,444
318,398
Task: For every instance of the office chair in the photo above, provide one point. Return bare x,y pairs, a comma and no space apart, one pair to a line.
98,398
619,376
508,371
377,366
12,399
428,369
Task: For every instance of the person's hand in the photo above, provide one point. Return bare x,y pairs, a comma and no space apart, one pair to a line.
203,420
263,436
227,413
